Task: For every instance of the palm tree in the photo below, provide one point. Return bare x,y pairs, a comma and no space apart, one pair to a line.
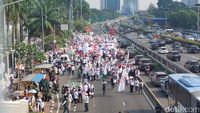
51,17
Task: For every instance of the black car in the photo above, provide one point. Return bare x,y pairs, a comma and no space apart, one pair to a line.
174,56
154,46
176,44
143,62
177,48
161,43
123,43
193,49
132,51
168,41
137,58
192,65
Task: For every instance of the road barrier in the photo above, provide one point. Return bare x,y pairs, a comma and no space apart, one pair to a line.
151,97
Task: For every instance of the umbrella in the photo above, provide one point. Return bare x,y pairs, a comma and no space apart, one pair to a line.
32,91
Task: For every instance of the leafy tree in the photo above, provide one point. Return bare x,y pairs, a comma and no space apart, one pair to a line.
183,19
50,18
102,15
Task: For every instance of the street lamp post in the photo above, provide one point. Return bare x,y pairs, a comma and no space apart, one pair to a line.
42,16
166,9
81,10
70,15
198,6
165,19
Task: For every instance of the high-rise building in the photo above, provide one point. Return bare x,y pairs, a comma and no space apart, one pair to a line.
110,4
130,7
190,3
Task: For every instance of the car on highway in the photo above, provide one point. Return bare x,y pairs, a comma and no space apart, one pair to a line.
177,34
157,77
161,43
168,41
144,62
137,58
132,51
176,44
163,50
153,41
154,46
193,49
177,48
193,66
174,56
140,36
123,43
189,37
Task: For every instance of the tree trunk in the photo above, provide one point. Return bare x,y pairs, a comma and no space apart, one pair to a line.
21,30
18,29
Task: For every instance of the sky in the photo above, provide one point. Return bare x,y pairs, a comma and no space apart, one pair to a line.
143,4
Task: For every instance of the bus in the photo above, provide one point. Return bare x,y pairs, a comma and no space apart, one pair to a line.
184,90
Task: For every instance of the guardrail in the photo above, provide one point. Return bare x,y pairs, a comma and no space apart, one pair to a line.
151,96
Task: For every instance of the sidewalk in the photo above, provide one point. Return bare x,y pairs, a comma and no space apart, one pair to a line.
47,107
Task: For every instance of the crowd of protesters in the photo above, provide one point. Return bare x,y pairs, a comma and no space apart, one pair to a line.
93,58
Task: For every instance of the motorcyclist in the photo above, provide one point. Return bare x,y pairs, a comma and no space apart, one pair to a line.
147,69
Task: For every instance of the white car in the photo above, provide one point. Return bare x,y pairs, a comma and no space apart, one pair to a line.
163,50
189,37
140,36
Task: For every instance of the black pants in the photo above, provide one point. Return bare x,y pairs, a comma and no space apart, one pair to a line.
131,88
104,91
65,109
86,107
140,90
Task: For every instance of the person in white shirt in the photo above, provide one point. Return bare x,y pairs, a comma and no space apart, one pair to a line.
86,102
42,106
75,99
70,99
73,69
136,84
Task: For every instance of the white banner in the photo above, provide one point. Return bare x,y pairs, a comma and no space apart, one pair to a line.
123,79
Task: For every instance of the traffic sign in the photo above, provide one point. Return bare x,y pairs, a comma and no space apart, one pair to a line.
64,27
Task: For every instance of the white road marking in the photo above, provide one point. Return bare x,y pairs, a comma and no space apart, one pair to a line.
123,103
195,57
58,103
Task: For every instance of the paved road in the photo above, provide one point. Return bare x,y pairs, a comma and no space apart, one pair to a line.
184,56
113,101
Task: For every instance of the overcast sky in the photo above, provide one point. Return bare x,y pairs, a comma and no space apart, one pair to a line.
143,4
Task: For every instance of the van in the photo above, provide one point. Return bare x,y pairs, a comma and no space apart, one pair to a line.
64,58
